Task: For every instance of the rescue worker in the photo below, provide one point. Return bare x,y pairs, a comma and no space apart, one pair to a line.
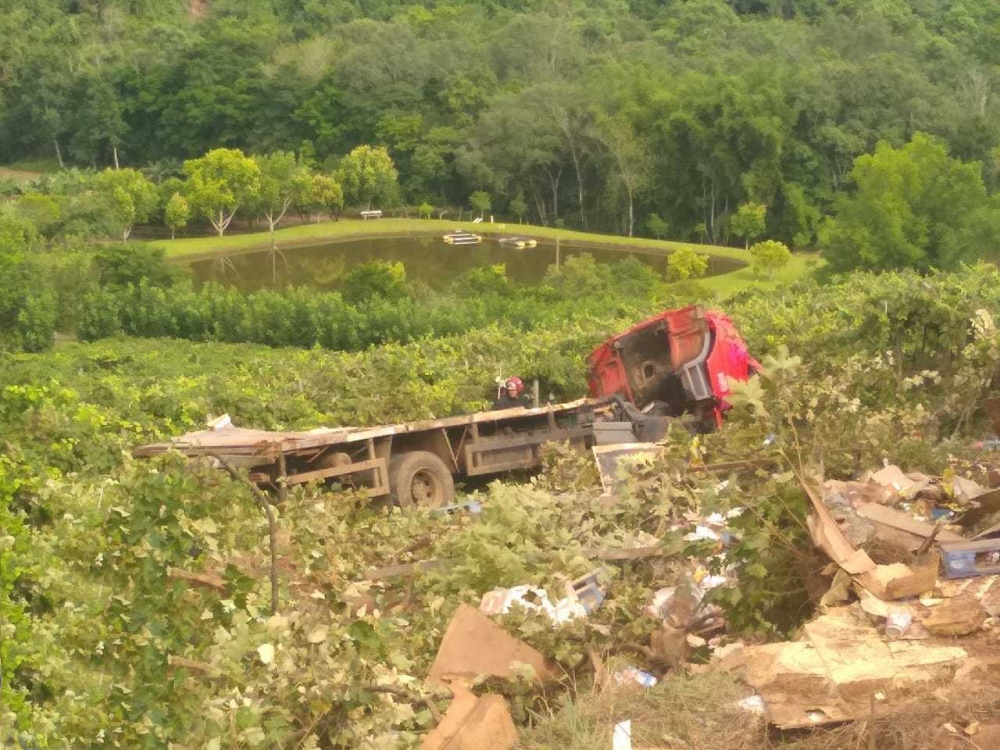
512,396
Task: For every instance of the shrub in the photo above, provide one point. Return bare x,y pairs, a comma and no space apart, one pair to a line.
768,256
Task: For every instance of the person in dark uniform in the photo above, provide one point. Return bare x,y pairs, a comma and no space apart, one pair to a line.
512,396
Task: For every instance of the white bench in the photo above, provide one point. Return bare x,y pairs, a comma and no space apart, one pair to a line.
376,214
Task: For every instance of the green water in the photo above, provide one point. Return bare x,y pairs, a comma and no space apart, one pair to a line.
427,259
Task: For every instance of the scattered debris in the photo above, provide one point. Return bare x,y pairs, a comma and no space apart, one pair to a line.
831,675
621,739
583,596
634,676
474,645
897,622
473,723
965,490
952,617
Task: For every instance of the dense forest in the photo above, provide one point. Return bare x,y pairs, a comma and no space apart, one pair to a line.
613,115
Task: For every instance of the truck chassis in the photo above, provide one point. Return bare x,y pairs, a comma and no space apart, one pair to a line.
414,463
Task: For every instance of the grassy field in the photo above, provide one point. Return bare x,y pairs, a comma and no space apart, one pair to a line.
347,229
18,175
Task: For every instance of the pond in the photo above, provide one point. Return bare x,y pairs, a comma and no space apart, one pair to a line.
427,259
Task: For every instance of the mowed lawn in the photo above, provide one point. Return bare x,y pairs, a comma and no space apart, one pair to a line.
348,229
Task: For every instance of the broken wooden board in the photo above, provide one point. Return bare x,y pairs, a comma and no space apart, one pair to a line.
827,535
958,616
898,581
473,723
899,520
474,645
831,676
985,505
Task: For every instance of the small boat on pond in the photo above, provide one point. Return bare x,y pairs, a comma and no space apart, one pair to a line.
519,242
462,238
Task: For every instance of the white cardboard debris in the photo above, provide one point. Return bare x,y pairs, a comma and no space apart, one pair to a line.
622,737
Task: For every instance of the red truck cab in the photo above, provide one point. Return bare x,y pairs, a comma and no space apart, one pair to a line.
684,360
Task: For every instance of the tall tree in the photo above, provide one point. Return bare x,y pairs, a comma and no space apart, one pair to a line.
133,197
219,183
176,214
480,201
283,183
367,174
629,161
749,222
324,194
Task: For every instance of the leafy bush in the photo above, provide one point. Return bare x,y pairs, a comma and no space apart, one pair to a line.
686,264
768,256
101,316
36,322
129,265
376,278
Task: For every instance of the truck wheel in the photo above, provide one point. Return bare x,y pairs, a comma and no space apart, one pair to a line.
419,479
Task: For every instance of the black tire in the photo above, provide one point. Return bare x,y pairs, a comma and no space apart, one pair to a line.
419,479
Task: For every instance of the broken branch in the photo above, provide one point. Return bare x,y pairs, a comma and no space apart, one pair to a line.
200,580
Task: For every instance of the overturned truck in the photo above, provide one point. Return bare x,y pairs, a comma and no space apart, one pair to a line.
676,366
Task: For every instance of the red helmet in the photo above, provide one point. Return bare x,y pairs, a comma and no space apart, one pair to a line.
515,383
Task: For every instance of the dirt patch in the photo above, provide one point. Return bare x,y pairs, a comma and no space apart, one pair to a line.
198,9
18,175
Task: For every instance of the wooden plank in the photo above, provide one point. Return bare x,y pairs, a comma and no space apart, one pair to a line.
381,486
899,520
241,441
829,537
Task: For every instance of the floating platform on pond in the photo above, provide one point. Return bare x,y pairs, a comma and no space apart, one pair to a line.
519,242
462,238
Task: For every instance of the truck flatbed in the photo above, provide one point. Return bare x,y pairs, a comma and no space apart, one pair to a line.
379,459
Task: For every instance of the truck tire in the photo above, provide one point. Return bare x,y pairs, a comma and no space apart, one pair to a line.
419,479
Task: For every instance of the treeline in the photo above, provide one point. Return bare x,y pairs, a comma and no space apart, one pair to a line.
620,116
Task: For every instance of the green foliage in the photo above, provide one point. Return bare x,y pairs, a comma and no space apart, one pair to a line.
43,211
324,194
912,207
480,200
425,210
177,213
219,183
36,322
28,309
95,532
123,267
768,256
645,106
375,279
686,264
657,226
368,174
17,233
133,197
749,221
284,183
518,206
101,316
